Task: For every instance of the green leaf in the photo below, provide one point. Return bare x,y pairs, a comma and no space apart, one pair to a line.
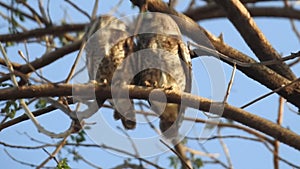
63,164
41,104
79,138
174,161
22,18
10,108
198,163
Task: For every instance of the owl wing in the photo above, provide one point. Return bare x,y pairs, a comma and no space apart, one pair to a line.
164,63
106,50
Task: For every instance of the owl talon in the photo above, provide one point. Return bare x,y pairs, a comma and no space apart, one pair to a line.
147,83
165,87
105,82
93,82
101,83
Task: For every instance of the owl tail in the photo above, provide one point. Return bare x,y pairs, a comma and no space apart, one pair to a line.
127,116
170,120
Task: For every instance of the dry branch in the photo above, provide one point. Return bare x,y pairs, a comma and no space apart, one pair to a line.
214,12
40,32
46,59
245,24
260,73
282,134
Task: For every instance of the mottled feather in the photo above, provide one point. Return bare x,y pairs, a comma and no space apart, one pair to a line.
165,63
106,49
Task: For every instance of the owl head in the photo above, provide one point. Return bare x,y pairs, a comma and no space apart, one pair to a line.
159,23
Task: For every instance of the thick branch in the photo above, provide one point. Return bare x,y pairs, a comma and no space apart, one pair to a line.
214,11
36,33
21,12
25,117
260,73
46,59
282,134
244,23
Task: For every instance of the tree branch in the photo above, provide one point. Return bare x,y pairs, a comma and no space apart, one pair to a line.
244,23
86,91
260,73
214,12
22,13
46,59
36,33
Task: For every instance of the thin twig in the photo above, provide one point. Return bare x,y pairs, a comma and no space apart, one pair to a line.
10,20
88,162
240,17
294,62
59,105
43,12
123,152
115,8
20,12
141,105
48,12
32,68
26,147
87,35
227,137
200,153
52,155
79,9
276,142
71,73
294,28
191,5
34,13
213,158
225,149
268,94
176,153
24,105
137,154
230,84
95,9
22,162
280,158
203,50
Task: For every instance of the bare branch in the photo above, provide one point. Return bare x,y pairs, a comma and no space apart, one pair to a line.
214,12
244,23
179,155
260,73
282,134
225,149
79,9
52,155
22,162
21,12
33,11
40,32
268,94
230,84
46,59
276,143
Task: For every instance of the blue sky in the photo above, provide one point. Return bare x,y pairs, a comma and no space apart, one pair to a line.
244,154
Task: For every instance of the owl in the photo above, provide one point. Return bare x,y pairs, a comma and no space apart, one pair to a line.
107,46
164,62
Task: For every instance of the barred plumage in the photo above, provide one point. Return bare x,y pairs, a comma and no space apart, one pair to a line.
105,51
168,65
